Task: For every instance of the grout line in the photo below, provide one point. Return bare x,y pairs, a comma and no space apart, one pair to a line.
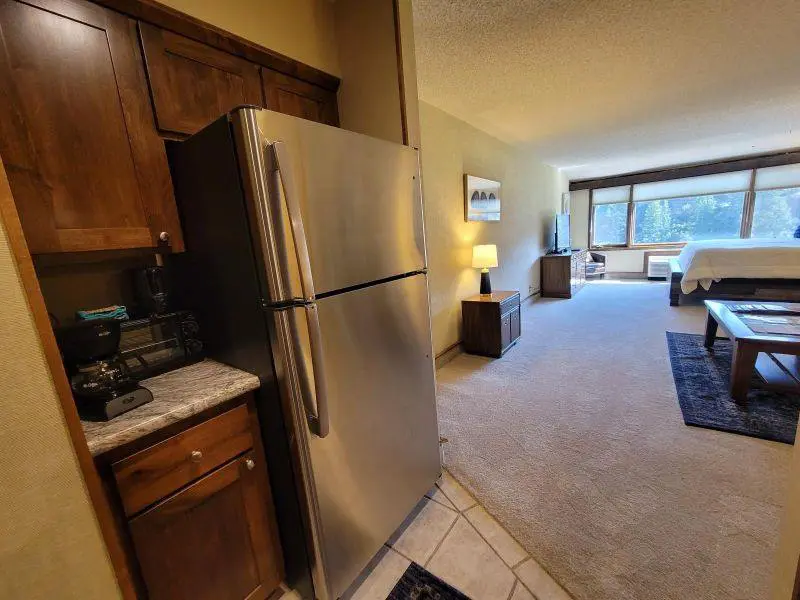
450,508
441,541
403,555
527,556
522,583
463,488
513,587
505,564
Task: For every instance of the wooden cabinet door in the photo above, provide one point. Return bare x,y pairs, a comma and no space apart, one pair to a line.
86,166
298,98
193,84
213,540
505,331
515,324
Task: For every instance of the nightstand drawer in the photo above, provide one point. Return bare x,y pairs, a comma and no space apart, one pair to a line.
509,304
158,471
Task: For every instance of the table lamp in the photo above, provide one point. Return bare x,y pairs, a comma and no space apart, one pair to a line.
484,257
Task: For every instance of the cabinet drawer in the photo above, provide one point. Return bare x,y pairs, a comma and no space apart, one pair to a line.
154,473
509,304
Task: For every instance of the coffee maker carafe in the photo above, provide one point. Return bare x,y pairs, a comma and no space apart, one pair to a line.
101,384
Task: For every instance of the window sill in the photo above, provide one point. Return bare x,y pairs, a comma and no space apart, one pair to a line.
676,246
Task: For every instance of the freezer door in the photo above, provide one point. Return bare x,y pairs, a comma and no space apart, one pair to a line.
358,216
381,451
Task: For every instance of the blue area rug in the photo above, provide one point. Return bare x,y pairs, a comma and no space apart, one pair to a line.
702,378
419,584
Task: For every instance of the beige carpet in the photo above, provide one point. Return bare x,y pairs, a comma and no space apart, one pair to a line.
574,440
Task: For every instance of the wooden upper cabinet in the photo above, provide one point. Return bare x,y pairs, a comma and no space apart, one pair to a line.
193,84
212,540
85,163
298,98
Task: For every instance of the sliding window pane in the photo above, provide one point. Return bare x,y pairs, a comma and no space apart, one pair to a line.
776,213
714,216
610,224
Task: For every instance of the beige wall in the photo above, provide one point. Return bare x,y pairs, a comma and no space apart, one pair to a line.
50,544
531,194
368,61
789,545
300,29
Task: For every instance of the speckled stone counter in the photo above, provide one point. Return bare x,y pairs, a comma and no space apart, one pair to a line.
176,395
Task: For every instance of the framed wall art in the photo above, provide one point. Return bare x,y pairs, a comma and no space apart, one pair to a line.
481,199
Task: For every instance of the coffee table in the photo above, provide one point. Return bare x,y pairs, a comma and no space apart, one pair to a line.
765,336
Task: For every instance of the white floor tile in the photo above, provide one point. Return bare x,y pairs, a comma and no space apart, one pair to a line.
539,582
465,561
419,536
499,539
436,494
521,593
457,494
383,577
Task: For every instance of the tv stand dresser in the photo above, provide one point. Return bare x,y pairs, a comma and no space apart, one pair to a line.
563,274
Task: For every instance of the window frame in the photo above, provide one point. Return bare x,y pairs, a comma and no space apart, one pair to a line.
746,218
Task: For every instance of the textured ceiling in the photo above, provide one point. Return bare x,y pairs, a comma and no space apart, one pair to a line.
599,87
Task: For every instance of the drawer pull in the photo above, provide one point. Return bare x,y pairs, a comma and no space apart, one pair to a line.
250,464
196,456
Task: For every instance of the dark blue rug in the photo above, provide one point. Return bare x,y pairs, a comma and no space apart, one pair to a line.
702,378
419,584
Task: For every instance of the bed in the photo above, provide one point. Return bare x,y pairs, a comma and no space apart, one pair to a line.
765,269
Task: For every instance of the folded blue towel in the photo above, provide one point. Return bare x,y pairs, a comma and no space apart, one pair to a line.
108,312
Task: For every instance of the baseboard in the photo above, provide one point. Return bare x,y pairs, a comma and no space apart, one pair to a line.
625,275
530,299
449,353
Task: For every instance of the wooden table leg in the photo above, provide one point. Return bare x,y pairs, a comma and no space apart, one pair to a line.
711,331
744,361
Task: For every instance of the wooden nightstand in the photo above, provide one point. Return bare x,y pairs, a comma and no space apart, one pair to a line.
491,323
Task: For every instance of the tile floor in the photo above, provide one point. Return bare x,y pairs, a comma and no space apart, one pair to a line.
453,537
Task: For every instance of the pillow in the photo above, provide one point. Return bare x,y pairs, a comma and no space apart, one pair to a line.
589,257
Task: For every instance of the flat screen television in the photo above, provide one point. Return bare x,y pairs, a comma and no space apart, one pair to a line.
562,243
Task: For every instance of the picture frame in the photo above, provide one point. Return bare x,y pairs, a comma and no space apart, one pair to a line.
482,199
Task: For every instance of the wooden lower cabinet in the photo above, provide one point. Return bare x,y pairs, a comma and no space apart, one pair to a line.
563,275
491,323
209,541
195,506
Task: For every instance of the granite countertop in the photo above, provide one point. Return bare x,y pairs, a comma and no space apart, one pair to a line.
176,395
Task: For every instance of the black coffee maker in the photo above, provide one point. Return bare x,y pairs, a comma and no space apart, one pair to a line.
101,384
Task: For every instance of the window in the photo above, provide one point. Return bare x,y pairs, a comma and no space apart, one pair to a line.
759,203
776,213
708,217
610,216
610,224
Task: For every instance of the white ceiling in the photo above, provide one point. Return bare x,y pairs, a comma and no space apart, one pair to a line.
601,87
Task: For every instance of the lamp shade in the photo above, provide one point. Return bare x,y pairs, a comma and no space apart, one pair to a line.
484,256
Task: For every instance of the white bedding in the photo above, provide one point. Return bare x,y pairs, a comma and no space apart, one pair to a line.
705,262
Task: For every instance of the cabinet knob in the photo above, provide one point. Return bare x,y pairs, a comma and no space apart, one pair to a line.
196,456
164,236
250,464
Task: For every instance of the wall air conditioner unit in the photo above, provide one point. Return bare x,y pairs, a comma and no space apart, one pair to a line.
658,267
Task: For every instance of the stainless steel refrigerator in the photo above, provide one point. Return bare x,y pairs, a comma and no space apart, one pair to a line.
306,264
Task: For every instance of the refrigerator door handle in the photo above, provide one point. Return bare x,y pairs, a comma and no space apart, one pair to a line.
290,194
313,384
318,367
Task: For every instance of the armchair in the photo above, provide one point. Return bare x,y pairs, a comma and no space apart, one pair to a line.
596,267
